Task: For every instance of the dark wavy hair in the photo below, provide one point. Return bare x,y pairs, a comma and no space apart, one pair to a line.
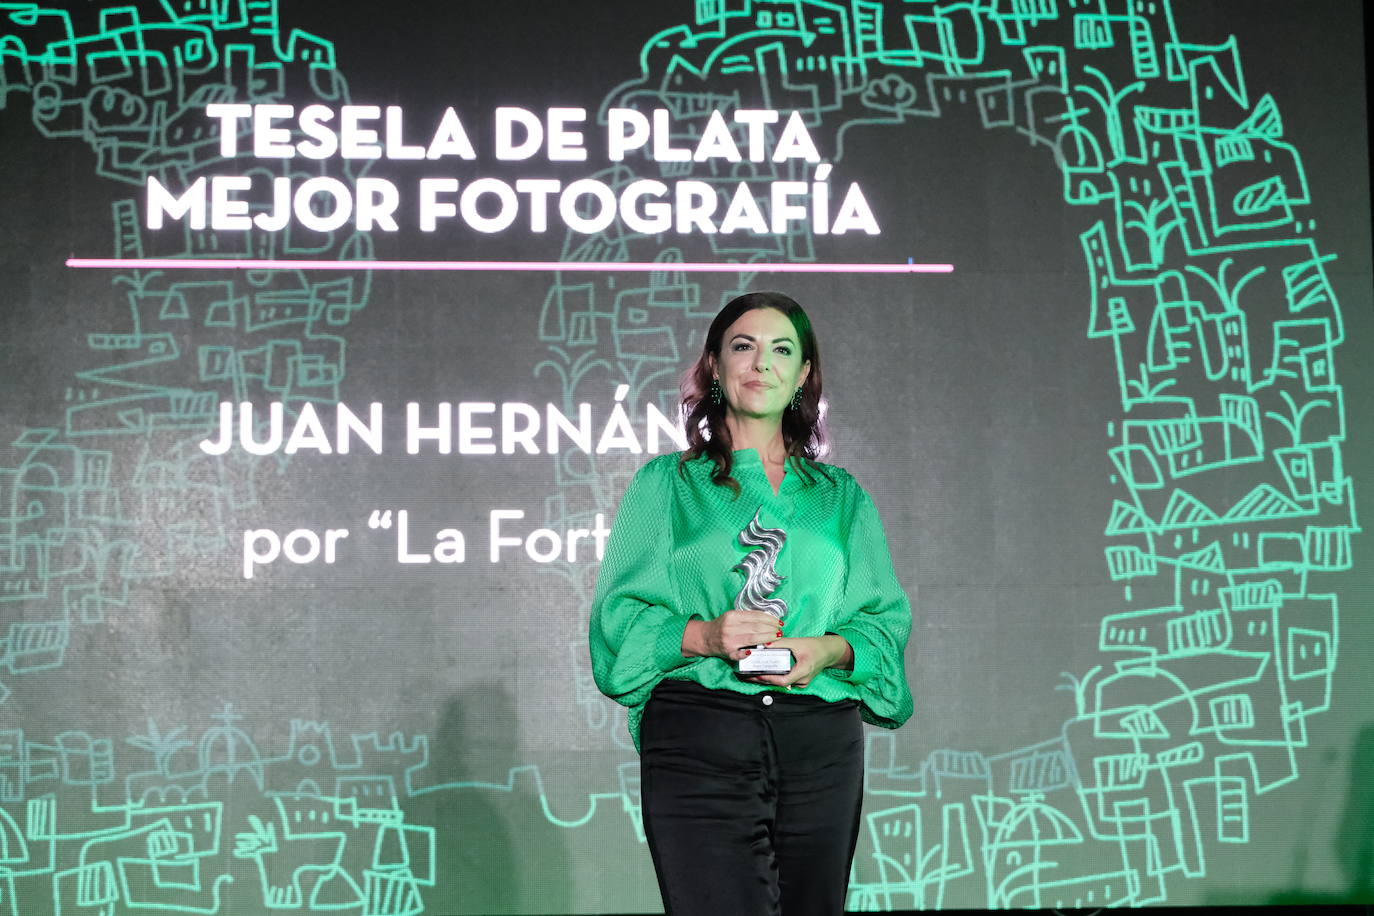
803,427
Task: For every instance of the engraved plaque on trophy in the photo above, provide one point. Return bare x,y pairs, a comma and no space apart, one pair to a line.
761,579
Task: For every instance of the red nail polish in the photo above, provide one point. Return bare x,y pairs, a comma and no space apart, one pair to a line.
780,632
748,651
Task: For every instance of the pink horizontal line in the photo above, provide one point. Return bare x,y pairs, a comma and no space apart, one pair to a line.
609,266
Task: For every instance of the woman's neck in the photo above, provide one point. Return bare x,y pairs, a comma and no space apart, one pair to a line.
762,435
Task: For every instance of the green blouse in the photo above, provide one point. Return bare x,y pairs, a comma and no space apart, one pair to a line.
671,557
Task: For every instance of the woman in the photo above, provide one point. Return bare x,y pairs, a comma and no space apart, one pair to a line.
751,783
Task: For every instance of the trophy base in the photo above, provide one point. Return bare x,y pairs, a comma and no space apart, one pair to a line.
766,661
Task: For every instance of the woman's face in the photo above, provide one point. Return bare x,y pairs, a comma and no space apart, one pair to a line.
760,364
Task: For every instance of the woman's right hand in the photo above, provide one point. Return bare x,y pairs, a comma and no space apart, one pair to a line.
731,635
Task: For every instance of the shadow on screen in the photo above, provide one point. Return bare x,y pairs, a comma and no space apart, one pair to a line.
497,853
1355,836
1353,842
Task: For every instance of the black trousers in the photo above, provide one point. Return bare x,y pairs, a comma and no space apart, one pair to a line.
751,803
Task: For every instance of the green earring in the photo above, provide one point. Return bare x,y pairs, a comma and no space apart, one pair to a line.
717,395
796,399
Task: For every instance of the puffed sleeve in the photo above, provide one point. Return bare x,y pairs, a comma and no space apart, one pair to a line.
636,628
877,622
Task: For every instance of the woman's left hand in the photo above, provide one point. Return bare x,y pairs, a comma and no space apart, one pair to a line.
810,656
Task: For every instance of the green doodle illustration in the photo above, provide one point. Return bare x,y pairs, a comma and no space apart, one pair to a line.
1205,282
321,832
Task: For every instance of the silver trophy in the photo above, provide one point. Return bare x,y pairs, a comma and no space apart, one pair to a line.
761,579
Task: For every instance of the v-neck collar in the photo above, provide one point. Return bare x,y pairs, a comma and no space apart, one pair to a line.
750,458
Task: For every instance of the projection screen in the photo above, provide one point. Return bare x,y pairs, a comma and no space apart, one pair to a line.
332,333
